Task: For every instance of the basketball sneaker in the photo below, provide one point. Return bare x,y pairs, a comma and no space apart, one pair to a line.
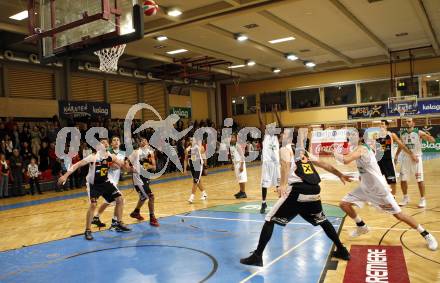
240,195
88,235
96,221
191,199
432,242
137,216
404,201
263,208
253,259
342,253
360,230
204,196
118,226
422,203
154,222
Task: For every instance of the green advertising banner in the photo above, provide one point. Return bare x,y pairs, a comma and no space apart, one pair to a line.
431,147
183,112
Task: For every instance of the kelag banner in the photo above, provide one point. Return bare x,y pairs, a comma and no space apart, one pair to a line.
429,107
435,132
75,109
367,111
183,112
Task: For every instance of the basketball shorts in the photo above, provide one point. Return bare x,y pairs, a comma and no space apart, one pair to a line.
409,168
383,201
387,169
107,190
308,206
196,173
143,190
270,174
240,176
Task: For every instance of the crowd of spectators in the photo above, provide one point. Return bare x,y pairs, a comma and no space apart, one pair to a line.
27,151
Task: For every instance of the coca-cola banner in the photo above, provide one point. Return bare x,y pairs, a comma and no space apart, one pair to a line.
326,142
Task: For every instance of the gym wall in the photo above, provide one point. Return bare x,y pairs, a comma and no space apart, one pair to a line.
322,115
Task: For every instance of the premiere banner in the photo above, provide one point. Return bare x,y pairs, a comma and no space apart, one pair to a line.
376,264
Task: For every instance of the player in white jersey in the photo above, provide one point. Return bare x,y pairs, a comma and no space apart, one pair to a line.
412,138
143,160
98,185
114,174
299,195
374,189
270,160
194,159
239,166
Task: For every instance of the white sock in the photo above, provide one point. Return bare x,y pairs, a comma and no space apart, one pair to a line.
97,215
357,219
191,196
422,198
263,201
420,229
115,218
204,193
405,196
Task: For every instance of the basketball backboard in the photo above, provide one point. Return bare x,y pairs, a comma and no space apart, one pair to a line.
68,27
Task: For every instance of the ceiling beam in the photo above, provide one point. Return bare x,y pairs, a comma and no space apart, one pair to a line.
306,36
152,29
234,3
215,54
249,42
423,16
134,50
13,28
361,26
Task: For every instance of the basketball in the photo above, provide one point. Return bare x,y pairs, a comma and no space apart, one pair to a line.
150,8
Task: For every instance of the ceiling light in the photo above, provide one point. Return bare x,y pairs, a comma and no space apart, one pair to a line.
291,57
236,66
428,76
309,64
250,63
241,37
242,98
276,70
20,16
161,38
279,40
437,80
233,101
177,51
174,12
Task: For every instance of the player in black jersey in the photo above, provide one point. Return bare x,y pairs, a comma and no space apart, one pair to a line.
385,161
98,185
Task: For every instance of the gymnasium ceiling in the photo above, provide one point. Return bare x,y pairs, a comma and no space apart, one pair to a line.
335,34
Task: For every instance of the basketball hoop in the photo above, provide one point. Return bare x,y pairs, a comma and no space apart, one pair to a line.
236,82
401,111
108,58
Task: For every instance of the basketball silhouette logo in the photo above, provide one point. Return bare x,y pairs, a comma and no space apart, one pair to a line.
150,8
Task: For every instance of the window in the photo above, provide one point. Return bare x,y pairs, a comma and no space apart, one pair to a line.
305,98
339,95
375,91
407,88
268,100
244,105
431,85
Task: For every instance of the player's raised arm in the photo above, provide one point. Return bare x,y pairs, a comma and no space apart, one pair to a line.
352,156
330,168
277,115
285,161
426,136
75,167
403,147
260,120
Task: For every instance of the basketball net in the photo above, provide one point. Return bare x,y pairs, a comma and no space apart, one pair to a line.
401,111
108,58
236,82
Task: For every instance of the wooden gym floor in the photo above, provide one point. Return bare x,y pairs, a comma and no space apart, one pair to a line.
38,219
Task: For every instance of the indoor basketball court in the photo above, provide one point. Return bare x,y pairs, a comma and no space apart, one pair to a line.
138,144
